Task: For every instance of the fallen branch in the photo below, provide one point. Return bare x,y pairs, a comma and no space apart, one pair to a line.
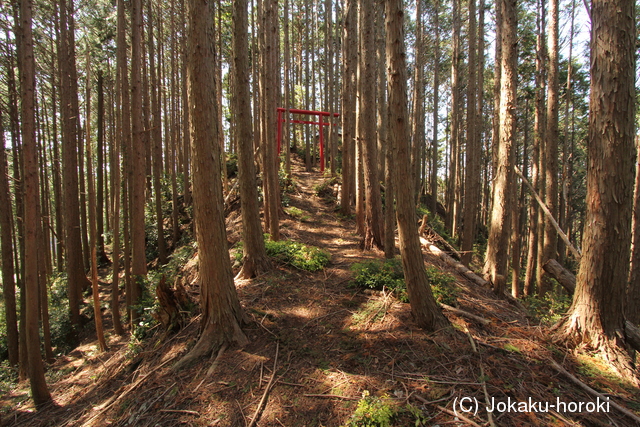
463,418
180,411
591,391
576,253
484,383
332,396
258,413
118,397
433,249
463,313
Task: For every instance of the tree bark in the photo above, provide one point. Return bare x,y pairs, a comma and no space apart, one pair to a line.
93,228
349,55
77,280
418,116
221,311
102,255
39,390
425,311
472,170
551,145
8,280
596,316
451,220
138,159
633,288
373,200
436,106
255,260
496,259
156,142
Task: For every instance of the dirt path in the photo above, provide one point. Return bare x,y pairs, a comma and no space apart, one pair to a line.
334,343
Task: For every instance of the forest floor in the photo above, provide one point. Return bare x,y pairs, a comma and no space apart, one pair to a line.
318,345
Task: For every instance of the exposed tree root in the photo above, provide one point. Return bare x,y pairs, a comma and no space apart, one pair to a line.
612,349
213,337
253,267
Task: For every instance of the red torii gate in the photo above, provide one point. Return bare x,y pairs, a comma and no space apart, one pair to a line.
320,123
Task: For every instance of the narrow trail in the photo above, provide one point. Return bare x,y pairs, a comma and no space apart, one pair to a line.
335,343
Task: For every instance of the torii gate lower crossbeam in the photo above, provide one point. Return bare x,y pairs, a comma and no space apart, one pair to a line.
320,124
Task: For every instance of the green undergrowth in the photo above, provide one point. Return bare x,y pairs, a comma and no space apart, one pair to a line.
298,255
372,411
388,274
549,308
291,253
297,213
324,190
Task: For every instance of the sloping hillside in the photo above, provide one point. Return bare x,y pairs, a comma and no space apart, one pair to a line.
325,353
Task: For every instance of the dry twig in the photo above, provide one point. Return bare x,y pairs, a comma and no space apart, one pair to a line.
256,415
591,391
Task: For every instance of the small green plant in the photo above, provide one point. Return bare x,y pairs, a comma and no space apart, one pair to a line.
59,322
372,412
550,308
378,274
297,213
8,377
416,413
324,190
388,274
442,286
298,255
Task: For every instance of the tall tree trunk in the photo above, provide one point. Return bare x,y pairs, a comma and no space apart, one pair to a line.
565,205
77,280
418,118
255,259
138,247
287,94
156,142
102,255
472,170
451,221
269,100
596,316
93,228
373,200
496,261
632,309
350,58
551,146
116,185
535,215
8,280
436,106
425,311
221,311
39,390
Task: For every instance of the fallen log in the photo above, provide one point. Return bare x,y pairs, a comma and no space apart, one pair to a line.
463,313
633,335
434,250
576,253
431,235
561,274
